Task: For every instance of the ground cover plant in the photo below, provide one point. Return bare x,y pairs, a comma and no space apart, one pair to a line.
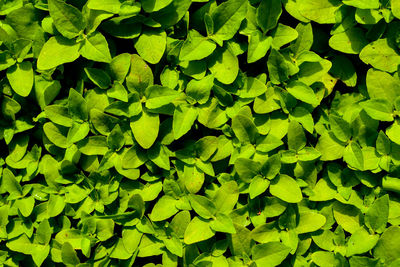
200,133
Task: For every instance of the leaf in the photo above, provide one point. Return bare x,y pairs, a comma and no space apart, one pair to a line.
258,186
77,105
277,67
226,197
360,242
310,222
197,230
377,80
340,128
202,206
330,147
112,6
183,120
347,216
66,18
377,215
224,65
93,145
268,13
244,129
151,45
164,208
320,11
140,75
158,96
378,109
270,254
69,255
223,223
56,134
381,55
95,47
145,128
57,51
98,77
258,46
368,4
200,90
387,248
302,92
20,77
351,41
283,35
285,187
296,136
227,18
154,5
196,47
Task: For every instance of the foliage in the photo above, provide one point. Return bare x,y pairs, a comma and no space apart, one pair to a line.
200,133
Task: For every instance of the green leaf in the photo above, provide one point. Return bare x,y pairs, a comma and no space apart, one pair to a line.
196,47
56,134
77,105
227,18
363,4
158,96
340,128
66,18
270,254
95,47
145,128
112,6
378,109
226,197
268,13
382,85
278,68
258,186
381,55
20,77
204,207
310,222
197,230
154,5
360,242
351,41
224,65
57,51
104,229
347,216
296,137
69,255
247,169
140,75
164,208
258,46
320,11
200,90
183,120
377,215
223,223
98,77
388,246
283,35
303,92
77,132
244,129
151,45
286,188
93,145
395,7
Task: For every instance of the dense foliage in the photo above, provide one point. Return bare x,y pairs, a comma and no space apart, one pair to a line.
200,133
